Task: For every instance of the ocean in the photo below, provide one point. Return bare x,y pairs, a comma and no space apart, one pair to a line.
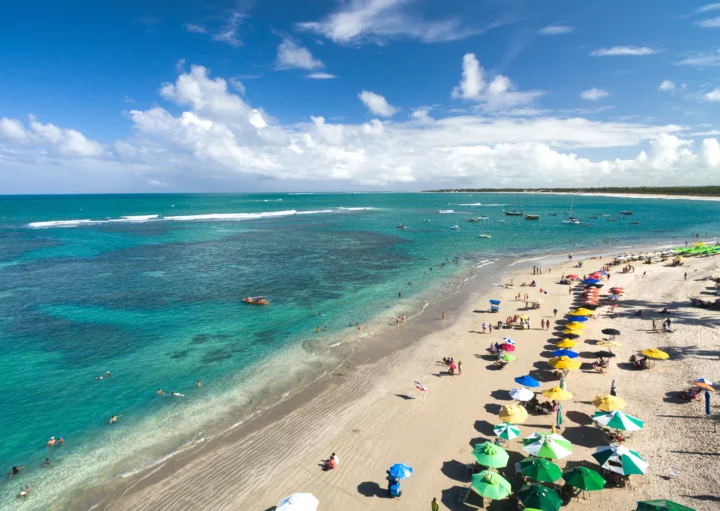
150,288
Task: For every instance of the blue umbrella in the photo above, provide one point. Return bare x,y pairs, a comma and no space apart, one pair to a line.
590,281
400,471
495,302
578,319
565,353
528,381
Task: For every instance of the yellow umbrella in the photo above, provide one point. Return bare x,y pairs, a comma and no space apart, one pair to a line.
608,403
557,394
523,316
575,325
570,331
582,311
566,343
609,343
564,363
655,353
513,414
699,244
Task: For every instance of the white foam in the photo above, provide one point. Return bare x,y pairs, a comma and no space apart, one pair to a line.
356,209
135,218
61,223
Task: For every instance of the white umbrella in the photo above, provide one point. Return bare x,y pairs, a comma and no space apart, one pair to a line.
507,340
522,394
299,502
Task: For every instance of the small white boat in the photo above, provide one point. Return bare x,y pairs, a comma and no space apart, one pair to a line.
484,236
426,220
501,221
401,226
446,211
455,227
572,220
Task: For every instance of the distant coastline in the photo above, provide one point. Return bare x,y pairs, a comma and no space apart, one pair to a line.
709,193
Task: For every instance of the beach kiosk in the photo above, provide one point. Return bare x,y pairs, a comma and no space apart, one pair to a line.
494,305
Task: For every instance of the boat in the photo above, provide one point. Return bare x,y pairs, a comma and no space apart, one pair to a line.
446,211
634,223
455,227
626,212
256,300
401,226
571,219
484,236
513,211
478,219
612,219
426,220
532,217
501,221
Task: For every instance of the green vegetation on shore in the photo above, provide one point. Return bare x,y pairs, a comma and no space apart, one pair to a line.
708,191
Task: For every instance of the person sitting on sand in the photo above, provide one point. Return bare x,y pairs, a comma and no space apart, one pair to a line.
452,370
332,462
24,492
532,284
664,311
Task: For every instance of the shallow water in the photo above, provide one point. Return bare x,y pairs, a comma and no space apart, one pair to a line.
90,284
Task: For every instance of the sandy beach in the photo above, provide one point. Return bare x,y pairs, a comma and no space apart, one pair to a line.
373,416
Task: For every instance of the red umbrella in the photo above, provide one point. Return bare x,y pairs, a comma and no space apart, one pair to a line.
507,347
571,277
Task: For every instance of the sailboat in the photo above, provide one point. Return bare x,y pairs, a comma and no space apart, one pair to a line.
571,219
513,211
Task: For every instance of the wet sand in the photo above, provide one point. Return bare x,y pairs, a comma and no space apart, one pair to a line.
372,416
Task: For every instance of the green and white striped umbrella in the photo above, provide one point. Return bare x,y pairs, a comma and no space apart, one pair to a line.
620,460
618,420
506,431
547,445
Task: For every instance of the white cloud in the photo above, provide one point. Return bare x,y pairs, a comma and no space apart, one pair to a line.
376,20
623,50
498,95
701,60
555,30
594,94
321,76
219,138
711,133
709,23
195,29
290,55
713,95
377,104
667,86
708,8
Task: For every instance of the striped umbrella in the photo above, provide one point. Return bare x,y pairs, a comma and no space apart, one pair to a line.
618,420
506,431
620,459
547,445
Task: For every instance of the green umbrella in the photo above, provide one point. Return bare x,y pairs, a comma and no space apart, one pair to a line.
547,445
618,420
506,431
490,455
620,459
661,505
507,357
539,497
540,469
491,485
584,479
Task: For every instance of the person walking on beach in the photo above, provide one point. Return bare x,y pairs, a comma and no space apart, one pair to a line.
484,327
443,315
685,275
644,274
654,326
555,311
434,506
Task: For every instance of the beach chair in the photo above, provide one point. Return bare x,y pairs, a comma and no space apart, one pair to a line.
494,308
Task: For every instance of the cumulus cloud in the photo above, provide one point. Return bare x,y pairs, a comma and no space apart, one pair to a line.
291,55
555,30
713,95
498,95
667,86
623,50
219,136
377,20
377,104
594,94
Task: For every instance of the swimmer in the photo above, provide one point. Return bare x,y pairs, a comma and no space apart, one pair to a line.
317,329
177,394
47,462
61,441
114,419
326,328
51,442
24,492
198,383
106,375
15,471
160,392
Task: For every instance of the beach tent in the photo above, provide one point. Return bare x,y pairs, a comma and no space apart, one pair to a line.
494,305
298,502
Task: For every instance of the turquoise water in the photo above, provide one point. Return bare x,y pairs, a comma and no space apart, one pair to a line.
156,300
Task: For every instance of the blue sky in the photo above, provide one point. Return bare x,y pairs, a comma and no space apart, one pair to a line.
357,94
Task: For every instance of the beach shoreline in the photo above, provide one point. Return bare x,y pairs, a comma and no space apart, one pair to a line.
119,492
616,195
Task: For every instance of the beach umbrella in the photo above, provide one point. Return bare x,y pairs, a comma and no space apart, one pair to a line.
565,353
704,380
488,454
584,479
495,302
508,358
590,282
513,414
655,353
507,347
564,363
578,319
575,325
620,459
527,380
491,485
566,343
618,420
572,276
540,469
582,312
298,502
570,334
547,445
661,505
507,340
557,394
539,497
523,316
608,403
401,471
704,386
506,431
522,394
610,331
